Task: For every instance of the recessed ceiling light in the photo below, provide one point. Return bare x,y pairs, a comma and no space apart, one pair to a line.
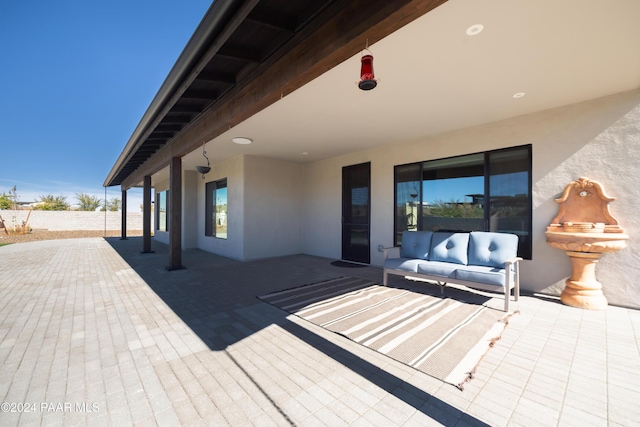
305,154
518,95
475,29
242,140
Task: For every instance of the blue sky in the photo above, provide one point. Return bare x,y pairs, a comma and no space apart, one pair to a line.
75,79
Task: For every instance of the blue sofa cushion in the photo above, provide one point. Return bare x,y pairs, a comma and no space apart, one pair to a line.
449,247
437,268
491,249
404,264
482,274
416,244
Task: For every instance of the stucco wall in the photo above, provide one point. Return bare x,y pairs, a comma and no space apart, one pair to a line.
322,208
598,139
264,217
601,140
232,246
273,208
72,220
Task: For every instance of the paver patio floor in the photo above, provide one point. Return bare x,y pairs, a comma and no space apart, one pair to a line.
92,332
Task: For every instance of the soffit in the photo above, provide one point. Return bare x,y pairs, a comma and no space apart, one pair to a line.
227,50
435,78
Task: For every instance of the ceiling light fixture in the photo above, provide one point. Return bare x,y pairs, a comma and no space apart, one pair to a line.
242,140
518,95
367,78
204,169
475,29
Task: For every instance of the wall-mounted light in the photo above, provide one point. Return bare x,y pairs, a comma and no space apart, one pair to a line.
204,169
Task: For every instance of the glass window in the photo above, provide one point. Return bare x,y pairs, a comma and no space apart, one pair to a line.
161,211
216,212
450,195
408,193
509,194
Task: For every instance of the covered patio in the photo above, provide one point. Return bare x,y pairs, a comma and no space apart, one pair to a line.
555,86
94,321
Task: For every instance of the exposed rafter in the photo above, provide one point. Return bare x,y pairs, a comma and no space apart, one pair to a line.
217,77
185,108
207,95
233,54
272,20
241,54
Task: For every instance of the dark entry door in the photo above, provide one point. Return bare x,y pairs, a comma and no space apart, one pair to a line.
356,212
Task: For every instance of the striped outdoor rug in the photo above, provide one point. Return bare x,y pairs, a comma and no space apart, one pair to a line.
443,336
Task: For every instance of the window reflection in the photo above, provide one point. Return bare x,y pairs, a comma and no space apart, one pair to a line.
216,210
407,199
509,207
221,212
162,211
477,192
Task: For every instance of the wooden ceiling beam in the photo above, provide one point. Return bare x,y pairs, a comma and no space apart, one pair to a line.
306,56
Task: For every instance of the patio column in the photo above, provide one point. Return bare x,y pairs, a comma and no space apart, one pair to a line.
146,216
175,214
123,225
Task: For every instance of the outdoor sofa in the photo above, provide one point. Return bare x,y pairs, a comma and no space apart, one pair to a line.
479,260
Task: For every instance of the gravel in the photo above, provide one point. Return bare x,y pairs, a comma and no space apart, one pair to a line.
53,235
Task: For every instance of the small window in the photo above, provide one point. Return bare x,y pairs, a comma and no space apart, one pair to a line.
162,203
488,191
216,212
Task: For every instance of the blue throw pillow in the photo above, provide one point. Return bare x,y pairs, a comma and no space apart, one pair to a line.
492,249
449,247
416,244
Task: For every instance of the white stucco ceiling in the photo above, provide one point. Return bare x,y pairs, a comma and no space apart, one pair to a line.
434,78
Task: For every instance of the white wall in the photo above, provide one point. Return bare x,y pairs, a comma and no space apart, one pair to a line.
71,220
273,203
232,247
264,217
322,224
599,139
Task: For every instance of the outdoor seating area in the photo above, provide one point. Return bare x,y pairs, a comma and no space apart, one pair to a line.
480,260
96,321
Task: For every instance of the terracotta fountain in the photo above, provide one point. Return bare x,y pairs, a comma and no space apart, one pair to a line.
585,229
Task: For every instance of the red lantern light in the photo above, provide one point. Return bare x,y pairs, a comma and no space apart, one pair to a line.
367,78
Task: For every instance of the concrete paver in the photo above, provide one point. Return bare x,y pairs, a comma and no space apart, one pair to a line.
92,332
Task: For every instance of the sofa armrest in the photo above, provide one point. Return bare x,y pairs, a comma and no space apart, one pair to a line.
512,260
391,251
510,264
